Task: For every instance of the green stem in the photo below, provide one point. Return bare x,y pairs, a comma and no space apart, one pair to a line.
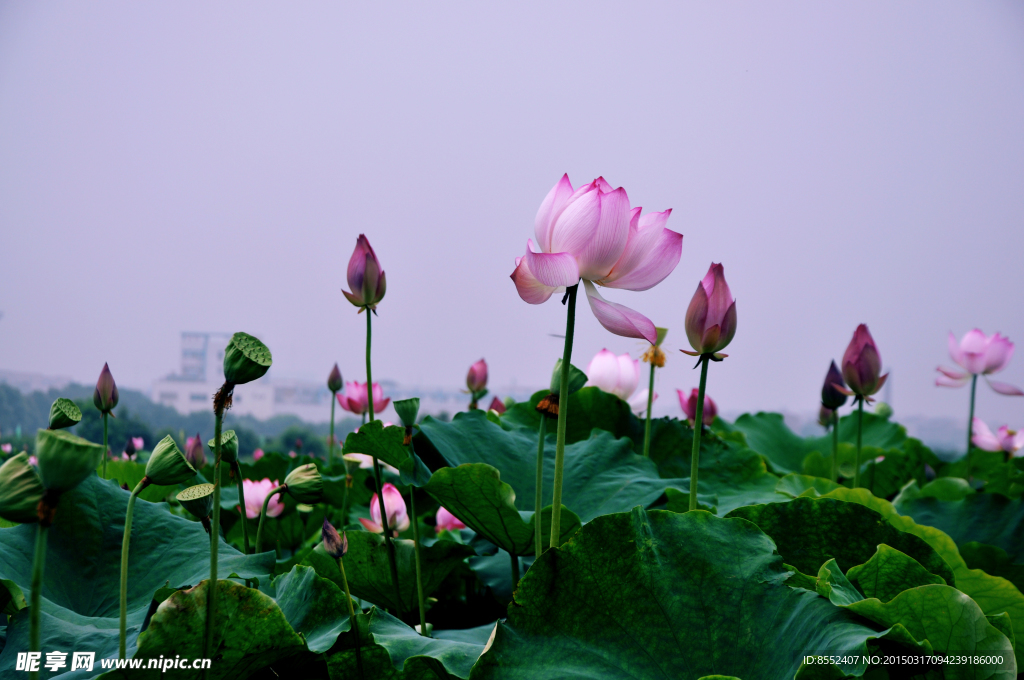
123,643
237,470
36,597
353,624
563,414
698,429
515,570
263,515
860,426
650,403
344,497
369,372
419,574
538,536
835,446
330,444
970,426
106,451
211,588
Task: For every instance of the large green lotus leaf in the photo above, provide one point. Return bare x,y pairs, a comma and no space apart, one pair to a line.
390,650
993,560
988,518
665,595
811,531
369,573
993,594
1000,475
314,606
889,572
768,434
388,445
474,493
943,489
589,408
131,473
793,485
82,577
252,633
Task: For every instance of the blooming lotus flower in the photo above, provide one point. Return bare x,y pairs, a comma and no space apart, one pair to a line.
978,354
334,379
831,395
1004,439
497,405
446,521
354,398
689,406
862,364
618,375
334,545
256,492
592,233
105,395
476,379
365,462
394,506
365,276
711,316
194,451
257,454
139,443
6,448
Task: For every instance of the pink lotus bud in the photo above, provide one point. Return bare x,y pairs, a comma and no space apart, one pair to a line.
365,276
978,354
831,396
105,396
194,452
618,375
497,405
711,316
334,379
256,493
32,460
129,448
862,364
334,545
292,454
6,448
355,399
1004,439
257,454
446,521
476,379
139,443
394,506
689,406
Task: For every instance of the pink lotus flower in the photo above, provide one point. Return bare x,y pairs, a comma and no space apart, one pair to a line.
365,461
446,521
978,354
1004,439
394,506
354,398
711,316
257,454
138,442
497,405
638,402
256,493
6,448
862,365
476,379
32,460
618,375
292,454
365,276
689,406
592,234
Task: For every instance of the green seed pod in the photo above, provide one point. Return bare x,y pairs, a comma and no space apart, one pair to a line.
20,490
245,359
64,413
408,410
198,500
305,484
65,460
167,464
228,446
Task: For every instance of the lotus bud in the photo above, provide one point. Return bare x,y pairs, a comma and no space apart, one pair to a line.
497,405
883,410
65,460
64,413
167,464
689,406
20,490
825,416
334,545
245,359
862,364
129,448
105,396
832,396
228,446
408,410
198,500
711,316
334,380
305,484
476,379
194,451
365,276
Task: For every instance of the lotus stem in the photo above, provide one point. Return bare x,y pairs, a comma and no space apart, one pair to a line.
263,515
419,573
236,469
563,414
211,589
122,647
537,531
970,426
650,403
835,446
35,599
106,450
698,429
353,624
330,443
860,427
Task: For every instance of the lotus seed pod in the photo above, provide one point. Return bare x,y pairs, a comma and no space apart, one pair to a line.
198,500
245,359
228,446
20,490
65,460
408,410
167,464
64,413
305,484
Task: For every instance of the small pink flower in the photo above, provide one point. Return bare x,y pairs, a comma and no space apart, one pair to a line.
1004,439
689,406
256,493
497,405
138,442
257,454
292,454
446,521
354,398
394,506
6,448
978,354
476,379
32,460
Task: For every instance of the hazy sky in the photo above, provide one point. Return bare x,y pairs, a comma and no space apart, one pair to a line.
208,166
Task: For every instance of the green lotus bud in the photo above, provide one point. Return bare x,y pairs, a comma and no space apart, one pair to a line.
228,446
64,413
65,460
198,500
167,464
245,359
408,410
20,490
305,484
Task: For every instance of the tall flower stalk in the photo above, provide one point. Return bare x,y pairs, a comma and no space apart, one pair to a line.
563,414
538,531
105,398
862,368
656,358
832,397
333,384
408,410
